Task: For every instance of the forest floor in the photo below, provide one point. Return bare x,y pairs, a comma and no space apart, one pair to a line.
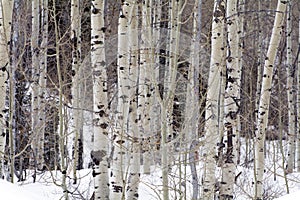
47,186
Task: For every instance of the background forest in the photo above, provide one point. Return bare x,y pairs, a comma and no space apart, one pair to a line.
179,99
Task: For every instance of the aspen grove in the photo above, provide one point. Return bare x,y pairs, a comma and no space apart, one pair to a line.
153,99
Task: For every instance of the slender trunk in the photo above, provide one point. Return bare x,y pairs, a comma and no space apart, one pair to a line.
37,159
155,114
192,99
241,31
6,9
143,100
281,144
124,87
76,62
133,130
43,79
61,112
231,102
265,98
169,93
212,100
259,60
12,94
298,101
290,93
100,102
259,74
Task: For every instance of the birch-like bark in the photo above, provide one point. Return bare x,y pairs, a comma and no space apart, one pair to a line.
37,159
241,31
212,100
124,87
259,60
231,102
290,93
192,98
144,83
133,129
43,78
100,101
76,62
6,9
298,101
155,116
264,103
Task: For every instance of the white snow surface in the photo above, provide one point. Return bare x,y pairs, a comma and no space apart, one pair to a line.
150,187
292,196
11,191
43,189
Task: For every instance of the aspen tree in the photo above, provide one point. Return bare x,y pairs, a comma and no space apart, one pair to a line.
264,103
192,97
155,72
260,50
290,93
259,59
100,102
144,100
241,46
43,78
120,131
231,102
212,100
36,122
133,130
6,9
76,61
169,91
61,111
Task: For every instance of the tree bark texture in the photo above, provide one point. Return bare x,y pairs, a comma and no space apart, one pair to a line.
231,103
264,103
6,9
100,102
212,102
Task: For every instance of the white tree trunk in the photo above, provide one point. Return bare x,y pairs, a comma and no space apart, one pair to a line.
76,62
155,110
36,127
264,103
6,9
212,101
133,130
298,102
231,103
259,60
144,84
124,88
290,93
192,99
43,78
100,102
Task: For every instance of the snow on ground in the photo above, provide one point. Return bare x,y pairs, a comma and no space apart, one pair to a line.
11,191
150,187
293,196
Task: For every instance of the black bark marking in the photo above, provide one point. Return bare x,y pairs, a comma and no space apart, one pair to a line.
97,156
